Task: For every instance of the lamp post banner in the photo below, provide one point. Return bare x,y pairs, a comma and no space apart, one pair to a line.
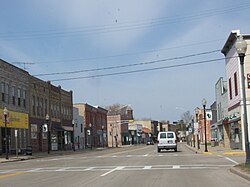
209,115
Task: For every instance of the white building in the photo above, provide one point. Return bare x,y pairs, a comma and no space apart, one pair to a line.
78,120
235,104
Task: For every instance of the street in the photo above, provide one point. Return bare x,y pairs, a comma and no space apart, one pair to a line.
128,166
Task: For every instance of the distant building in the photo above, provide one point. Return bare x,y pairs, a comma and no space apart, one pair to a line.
95,124
153,125
79,131
223,133
118,121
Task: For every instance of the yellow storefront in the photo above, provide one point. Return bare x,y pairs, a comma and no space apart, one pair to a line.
15,121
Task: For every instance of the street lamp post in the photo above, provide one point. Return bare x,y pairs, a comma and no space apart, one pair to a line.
204,102
5,113
48,137
102,136
196,114
73,134
90,128
241,47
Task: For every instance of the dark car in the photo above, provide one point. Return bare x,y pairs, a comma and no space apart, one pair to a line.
150,142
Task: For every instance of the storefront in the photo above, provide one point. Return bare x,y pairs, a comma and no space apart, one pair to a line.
17,131
235,134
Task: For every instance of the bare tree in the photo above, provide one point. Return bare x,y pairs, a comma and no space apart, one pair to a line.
113,109
186,117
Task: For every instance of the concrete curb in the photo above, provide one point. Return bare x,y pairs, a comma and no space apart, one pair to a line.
240,173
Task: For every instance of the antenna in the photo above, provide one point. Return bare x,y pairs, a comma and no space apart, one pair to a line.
24,64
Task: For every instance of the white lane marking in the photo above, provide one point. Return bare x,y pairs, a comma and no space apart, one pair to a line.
145,155
176,167
114,156
231,160
62,169
147,167
90,168
115,169
129,156
35,170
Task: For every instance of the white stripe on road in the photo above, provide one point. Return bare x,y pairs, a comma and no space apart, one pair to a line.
90,168
176,167
231,160
117,168
147,167
34,170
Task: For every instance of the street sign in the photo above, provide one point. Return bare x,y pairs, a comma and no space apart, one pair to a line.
196,128
209,116
45,128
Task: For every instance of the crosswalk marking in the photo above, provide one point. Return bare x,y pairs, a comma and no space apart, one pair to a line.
117,156
111,169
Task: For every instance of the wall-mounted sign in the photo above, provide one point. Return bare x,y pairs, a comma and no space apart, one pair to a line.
248,80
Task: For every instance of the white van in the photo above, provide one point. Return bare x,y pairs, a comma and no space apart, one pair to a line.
167,140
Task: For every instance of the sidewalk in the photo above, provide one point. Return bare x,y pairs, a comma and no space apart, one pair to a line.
217,150
14,158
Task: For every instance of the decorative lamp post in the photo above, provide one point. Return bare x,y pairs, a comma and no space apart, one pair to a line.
5,113
73,134
204,103
48,137
198,130
102,136
90,128
241,47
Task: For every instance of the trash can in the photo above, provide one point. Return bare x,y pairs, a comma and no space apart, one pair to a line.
213,143
29,150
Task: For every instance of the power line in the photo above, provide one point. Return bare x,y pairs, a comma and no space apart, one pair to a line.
119,55
129,65
126,26
144,70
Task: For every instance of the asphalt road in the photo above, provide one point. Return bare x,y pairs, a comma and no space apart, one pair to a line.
131,166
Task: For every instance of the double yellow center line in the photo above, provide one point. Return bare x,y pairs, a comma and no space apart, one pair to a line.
12,174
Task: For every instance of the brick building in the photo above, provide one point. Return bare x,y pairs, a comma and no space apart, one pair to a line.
14,96
95,124
28,100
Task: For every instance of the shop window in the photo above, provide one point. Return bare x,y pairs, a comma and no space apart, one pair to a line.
19,97
3,88
230,89
13,95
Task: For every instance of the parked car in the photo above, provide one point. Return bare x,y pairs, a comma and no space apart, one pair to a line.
167,140
150,142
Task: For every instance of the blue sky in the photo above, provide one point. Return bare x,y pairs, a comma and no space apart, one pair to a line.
58,36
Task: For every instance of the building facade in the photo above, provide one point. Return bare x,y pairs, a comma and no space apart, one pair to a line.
222,113
15,97
235,104
29,101
95,124
118,126
79,131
